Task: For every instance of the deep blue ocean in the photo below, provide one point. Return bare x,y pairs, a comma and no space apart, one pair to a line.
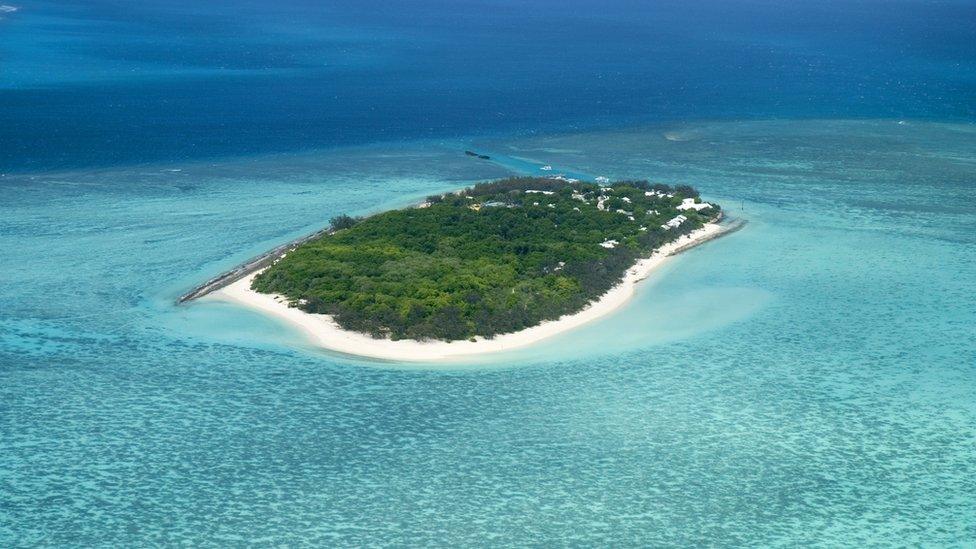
95,82
807,381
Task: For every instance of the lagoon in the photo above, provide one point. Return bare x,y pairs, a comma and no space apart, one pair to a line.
807,379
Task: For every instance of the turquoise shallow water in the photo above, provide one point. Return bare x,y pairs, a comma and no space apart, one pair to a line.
807,380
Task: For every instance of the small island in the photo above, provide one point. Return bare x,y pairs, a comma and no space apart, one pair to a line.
494,266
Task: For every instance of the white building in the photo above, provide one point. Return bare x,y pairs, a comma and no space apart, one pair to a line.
678,220
658,193
689,204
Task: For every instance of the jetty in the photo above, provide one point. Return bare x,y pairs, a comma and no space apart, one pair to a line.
240,271
730,226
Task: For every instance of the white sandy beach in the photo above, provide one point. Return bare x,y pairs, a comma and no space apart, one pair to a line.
324,332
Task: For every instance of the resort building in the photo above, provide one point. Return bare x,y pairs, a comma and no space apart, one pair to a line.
659,193
689,204
678,220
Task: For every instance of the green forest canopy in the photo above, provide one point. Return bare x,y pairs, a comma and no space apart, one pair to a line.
494,258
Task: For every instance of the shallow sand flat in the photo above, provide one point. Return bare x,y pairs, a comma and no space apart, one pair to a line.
325,332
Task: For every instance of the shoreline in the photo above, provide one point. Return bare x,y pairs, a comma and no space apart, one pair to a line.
322,331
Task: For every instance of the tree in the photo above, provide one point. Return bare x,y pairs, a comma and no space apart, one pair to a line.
343,221
449,272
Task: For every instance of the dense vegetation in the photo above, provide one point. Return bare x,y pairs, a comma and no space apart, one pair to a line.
495,258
